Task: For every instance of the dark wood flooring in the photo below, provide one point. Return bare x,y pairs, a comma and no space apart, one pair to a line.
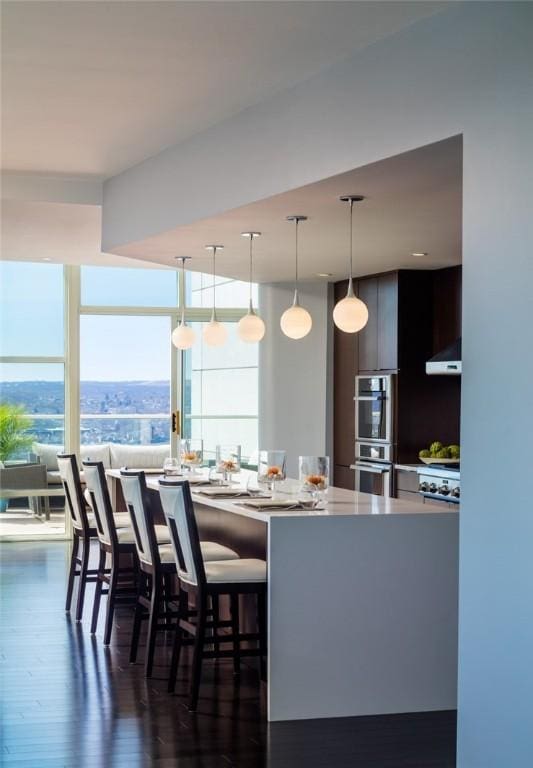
68,701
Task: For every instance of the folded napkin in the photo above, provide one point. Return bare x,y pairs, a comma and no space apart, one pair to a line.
224,493
265,504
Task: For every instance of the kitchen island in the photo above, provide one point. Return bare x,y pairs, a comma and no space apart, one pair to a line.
362,601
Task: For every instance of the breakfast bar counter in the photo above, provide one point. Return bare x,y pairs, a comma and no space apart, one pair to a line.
362,600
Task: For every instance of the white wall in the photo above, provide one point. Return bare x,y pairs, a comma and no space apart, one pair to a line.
294,382
468,70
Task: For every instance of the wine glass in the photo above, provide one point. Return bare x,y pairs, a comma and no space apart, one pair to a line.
271,468
228,460
314,475
171,467
192,453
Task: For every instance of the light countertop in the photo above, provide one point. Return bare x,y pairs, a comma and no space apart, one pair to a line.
338,502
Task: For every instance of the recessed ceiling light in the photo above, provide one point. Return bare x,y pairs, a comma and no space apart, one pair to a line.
46,258
324,274
419,253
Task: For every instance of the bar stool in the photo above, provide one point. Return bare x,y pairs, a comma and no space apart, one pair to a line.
207,580
121,579
157,566
84,528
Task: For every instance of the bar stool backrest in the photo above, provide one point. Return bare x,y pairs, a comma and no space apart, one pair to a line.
179,513
96,484
70,477
136,498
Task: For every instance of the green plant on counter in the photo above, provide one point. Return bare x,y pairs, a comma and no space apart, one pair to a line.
14,426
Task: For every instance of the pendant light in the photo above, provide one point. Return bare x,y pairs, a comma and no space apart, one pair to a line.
350,314
251,327
215,334
183,337
296,322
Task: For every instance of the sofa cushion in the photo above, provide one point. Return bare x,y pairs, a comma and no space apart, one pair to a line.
97,452
53,477
138,456
47,453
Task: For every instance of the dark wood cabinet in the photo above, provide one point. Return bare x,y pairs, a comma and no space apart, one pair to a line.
344,477
378,341
345,346
412,315
447,306
387,315
367,290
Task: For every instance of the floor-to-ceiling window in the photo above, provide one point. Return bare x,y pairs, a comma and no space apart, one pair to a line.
32,394
220,384
100,369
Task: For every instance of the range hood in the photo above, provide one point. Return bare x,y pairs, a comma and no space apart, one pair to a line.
447,362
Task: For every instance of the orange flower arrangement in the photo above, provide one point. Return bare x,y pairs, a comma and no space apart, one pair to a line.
229,465
319,481
190,456
273,471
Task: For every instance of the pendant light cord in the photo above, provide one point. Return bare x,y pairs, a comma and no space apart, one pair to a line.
183,283
351,239
214,300
251,273
296,255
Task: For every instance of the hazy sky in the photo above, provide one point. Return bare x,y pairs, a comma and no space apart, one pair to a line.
112,348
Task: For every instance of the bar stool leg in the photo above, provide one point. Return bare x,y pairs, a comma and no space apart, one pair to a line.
235,628
157,593
72,571
183,610
141,587
113,581
98,590
83,579
198,652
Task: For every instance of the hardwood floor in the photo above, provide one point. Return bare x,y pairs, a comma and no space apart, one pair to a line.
68,701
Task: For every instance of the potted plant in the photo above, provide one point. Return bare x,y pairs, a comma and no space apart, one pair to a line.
14,436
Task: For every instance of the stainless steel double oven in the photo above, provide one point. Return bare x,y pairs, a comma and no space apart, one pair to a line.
374,433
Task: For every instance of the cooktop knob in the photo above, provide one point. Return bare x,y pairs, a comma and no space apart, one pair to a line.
444,490
456,492
423,487
433,488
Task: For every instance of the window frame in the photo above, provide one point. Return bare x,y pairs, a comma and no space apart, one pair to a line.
73,310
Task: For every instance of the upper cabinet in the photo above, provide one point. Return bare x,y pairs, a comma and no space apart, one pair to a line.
387,322
345,353
368,337
378,341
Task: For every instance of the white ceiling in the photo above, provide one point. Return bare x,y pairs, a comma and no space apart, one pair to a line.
58,232
413,203
95,87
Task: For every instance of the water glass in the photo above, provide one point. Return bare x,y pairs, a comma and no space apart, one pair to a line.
228,460
171,467
271,468
314,475
192,453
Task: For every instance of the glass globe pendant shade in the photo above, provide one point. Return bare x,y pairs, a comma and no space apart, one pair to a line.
350,314
251,327
183,337
296,322
215,334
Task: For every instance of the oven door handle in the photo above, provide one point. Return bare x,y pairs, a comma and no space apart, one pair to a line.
375,469
369,398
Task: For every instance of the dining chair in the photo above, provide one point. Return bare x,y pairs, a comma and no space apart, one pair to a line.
155,599
84,530
116,544
205,580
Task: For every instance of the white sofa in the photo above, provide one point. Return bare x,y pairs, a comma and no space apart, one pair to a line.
112,455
